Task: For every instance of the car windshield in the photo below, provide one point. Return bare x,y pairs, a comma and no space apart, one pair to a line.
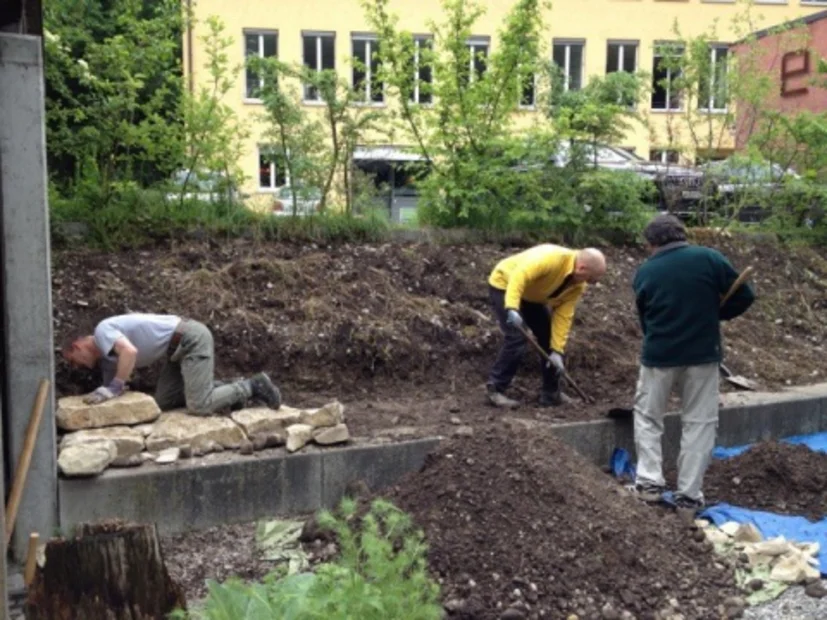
750,171
203,181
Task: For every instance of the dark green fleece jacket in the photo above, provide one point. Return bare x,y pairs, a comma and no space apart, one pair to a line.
678,292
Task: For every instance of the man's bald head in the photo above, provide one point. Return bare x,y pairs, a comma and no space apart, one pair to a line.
589,265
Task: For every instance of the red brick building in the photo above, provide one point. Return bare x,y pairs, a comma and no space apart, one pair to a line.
789,54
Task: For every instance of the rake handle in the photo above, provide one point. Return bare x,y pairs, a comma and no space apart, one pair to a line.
737,284
530,337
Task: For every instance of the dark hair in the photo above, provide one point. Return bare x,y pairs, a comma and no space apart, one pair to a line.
664,229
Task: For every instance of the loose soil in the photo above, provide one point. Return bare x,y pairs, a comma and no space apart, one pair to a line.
402,333
773,476
518,519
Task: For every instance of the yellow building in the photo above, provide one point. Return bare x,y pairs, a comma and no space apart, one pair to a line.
585,37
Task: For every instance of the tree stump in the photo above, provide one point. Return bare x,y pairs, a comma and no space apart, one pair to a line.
110,571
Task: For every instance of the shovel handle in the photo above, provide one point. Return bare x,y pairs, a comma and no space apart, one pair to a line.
530,337
737,284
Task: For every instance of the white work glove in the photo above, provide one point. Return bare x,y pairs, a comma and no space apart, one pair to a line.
104,393
556,361
514,318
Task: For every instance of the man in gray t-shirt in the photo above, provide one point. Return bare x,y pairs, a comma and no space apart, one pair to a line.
123,343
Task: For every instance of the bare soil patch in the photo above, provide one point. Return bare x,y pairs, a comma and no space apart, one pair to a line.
402,333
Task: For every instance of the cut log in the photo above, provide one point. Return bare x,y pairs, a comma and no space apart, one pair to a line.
110,571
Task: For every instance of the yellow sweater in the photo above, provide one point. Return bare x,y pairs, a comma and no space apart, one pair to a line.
537,275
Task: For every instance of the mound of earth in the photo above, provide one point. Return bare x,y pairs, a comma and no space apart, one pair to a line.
519,520
773,476
402,332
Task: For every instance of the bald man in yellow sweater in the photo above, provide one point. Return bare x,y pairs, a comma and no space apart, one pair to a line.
538,288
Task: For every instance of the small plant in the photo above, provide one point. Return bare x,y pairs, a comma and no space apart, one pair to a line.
380,574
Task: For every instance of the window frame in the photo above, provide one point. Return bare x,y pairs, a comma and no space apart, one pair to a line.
417,77
568,44
664,156
668,89
623,44
371,45
474,44
318,35
260,33
714,49
272,189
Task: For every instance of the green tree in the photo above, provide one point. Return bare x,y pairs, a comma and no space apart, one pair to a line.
213,134
112,82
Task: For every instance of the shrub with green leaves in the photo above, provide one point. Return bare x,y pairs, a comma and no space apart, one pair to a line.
380,574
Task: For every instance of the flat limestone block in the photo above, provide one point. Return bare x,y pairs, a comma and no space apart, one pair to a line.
266,421
202,433
331,414
129,442
87,459
298,436
130,408
331,435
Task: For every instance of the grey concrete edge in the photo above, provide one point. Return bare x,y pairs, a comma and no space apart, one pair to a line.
199,494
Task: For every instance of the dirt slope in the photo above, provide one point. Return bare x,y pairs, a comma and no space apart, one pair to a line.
403,333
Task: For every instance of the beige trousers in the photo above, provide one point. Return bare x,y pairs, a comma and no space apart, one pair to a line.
698,389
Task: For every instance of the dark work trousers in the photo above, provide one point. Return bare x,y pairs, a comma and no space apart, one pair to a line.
538,319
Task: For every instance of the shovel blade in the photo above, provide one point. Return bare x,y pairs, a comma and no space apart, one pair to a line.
742,382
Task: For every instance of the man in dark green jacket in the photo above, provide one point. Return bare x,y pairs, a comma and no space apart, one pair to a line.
678,292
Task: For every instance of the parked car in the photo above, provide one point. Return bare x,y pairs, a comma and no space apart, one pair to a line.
308,201
746,185
682,190
204,185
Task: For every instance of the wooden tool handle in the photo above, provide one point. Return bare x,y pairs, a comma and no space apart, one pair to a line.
737,284
546,357
25,458
31,559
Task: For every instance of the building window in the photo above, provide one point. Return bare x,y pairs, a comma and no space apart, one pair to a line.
272,171
423,71
712,93
665,94
528,92
263,45
568,57
478,61
664,156
319,55
621,57
366,68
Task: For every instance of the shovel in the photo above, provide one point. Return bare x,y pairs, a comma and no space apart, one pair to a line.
546,357
622,413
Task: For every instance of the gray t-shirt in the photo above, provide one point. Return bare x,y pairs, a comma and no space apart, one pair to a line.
149,333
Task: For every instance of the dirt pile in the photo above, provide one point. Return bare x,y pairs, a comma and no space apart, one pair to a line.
773,476
407,322
515,520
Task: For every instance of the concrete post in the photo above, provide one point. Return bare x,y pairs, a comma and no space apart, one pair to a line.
26,278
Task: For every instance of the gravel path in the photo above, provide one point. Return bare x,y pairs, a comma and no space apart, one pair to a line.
792,605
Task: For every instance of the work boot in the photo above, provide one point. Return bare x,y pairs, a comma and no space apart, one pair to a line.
264,390
647,492
498,399
688,509
551,399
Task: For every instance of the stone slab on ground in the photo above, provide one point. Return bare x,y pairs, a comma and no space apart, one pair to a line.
202,433
88,458
265,421
298,436
131,408
331,414
129,442
330,435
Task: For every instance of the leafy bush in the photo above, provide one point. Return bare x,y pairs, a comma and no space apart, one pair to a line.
132,216
380,574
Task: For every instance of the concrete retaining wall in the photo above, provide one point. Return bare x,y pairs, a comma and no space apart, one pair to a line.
229,488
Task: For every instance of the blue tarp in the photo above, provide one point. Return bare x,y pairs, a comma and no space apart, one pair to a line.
770,525
816,442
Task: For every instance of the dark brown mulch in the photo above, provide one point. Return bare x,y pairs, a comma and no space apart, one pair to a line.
515,519
773,476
